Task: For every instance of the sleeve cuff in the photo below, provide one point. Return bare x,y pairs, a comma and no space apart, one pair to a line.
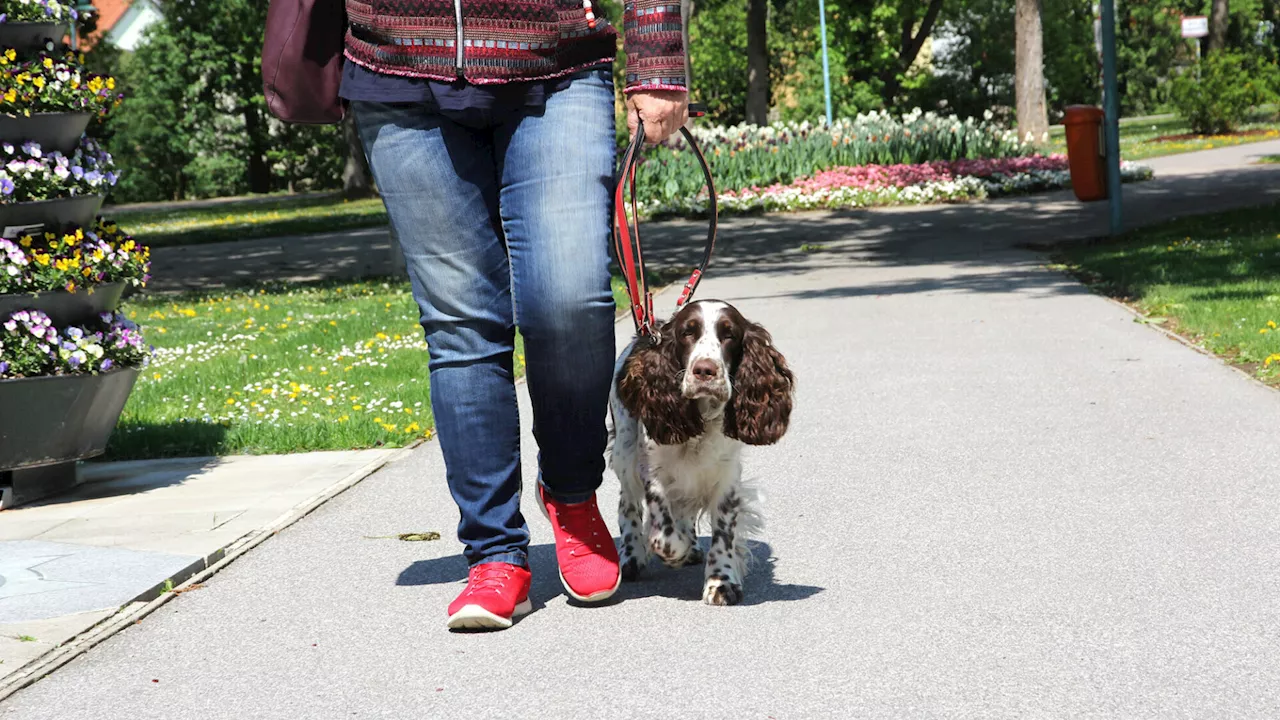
655,86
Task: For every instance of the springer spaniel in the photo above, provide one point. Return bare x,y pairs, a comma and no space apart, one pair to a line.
682,409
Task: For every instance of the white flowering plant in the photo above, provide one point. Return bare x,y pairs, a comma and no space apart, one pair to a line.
29,174
30,346
38,11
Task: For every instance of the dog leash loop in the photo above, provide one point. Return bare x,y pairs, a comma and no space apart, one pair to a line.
627,247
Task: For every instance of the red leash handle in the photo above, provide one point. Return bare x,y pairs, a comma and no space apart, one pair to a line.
627,247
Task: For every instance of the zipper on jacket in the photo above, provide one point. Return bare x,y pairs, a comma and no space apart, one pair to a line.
457,16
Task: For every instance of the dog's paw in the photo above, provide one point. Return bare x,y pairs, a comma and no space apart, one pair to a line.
631,570
719,591
695,557
676,551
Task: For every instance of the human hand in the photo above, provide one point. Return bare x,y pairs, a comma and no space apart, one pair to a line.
663,111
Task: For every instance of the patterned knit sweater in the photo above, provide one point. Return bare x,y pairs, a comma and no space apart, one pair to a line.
513,40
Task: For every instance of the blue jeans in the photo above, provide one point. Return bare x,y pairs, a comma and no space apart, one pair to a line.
505,221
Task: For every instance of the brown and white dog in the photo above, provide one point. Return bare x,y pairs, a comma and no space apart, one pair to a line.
682,409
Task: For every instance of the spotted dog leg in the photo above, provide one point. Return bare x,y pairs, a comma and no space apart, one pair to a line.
672,547
726,559
687,534
630,467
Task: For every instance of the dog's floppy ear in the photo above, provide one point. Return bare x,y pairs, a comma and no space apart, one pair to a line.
649,388
760,408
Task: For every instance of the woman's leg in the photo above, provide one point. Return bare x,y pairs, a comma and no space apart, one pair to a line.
557,170
440,184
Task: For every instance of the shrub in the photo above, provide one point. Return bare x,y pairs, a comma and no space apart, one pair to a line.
1217,95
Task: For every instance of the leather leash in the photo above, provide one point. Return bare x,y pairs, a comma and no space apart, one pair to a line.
627,248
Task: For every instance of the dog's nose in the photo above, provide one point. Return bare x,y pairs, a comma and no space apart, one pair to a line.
706,370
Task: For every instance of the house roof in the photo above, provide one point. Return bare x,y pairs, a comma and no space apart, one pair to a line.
109,13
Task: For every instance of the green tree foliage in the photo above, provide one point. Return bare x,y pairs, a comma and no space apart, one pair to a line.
1221,91
1151,52
195,123
976,71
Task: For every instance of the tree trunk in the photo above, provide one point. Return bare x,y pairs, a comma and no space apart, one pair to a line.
1270,14
356,181
757,62
259,169
1033,116
909,46
1218,25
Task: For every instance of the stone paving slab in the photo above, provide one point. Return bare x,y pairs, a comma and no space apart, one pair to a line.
69,562
45,580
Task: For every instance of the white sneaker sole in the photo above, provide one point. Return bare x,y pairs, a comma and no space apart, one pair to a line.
474,617
594,597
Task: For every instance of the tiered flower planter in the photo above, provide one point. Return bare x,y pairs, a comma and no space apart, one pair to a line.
58,131
28,36
51,421
60,418
33,217
66,308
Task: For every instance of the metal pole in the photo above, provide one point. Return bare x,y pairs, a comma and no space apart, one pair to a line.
826,68
81,9
1111,106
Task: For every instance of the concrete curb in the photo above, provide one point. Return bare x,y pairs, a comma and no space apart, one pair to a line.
153,598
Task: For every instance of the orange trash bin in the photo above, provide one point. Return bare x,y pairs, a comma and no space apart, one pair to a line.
1085,157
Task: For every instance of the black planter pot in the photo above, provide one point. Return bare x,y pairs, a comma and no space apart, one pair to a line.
53,131
64,308
27,36
30,217
49,420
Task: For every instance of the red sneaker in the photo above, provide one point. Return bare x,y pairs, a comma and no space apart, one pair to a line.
584,548
496,593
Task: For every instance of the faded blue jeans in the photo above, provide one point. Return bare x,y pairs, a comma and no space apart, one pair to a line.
505,222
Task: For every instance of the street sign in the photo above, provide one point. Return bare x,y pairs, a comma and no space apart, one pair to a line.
1195,27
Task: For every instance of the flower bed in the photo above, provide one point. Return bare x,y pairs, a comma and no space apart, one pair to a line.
30,174
73,260
747,156
871,185
30,346
37,11
53,83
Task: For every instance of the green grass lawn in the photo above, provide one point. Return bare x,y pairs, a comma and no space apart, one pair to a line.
1269,160
1214,279
251,219
1137,137
279,369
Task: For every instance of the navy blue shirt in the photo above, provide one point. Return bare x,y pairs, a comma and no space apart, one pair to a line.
458,100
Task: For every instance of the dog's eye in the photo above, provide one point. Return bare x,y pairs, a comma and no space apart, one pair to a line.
690,330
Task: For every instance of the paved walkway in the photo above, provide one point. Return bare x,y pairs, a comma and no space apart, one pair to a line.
1185,184
1000,497
70,563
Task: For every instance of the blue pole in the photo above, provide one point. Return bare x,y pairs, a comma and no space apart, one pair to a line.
1111,106
826,68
